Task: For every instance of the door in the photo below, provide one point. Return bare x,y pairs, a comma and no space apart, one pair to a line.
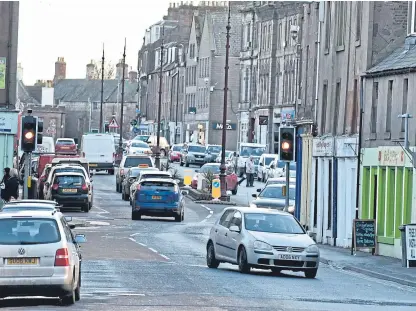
232,239
220,231
73,249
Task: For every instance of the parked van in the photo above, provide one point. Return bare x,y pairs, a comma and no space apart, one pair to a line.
47,146
99,150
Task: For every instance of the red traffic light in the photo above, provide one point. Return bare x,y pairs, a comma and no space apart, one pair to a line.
285,145
29,135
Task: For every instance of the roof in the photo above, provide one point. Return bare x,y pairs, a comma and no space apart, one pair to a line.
279,185
29,214
251,210
24,95
32,202
82,90
158,173
69,173
35,91
401,59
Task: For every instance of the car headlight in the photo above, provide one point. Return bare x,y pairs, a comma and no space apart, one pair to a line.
312,249
252,205
259,245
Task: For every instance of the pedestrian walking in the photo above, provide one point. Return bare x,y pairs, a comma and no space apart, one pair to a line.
6,177
11,190
250,172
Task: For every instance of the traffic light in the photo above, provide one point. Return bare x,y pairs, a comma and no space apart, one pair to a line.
39,131
28,139
287,136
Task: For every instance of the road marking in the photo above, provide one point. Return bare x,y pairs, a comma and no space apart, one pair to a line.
166,257
131,239
153,250
206,207
134,234
142,244
209,216
102,210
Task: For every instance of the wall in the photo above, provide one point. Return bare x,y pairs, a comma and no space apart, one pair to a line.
53,120
47,97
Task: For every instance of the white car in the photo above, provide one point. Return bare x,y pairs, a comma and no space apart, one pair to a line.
139,147
263,239
39,256
278,169
265,161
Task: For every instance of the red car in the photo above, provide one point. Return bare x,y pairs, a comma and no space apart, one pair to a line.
65,146
231,178
175,153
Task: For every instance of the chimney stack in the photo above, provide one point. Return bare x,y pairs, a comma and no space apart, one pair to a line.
19,72
60,69
90,71
133,76
119,70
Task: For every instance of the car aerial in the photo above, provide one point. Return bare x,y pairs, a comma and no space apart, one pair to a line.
69,189
266,159
174,154
61,168
272,196
66,146
193,154
145,174
211,153
214,168
263,239
40,256
130,178
158,197
139,147
128,161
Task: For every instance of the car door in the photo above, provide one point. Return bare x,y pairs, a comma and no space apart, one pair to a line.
220,230
232,239
73,248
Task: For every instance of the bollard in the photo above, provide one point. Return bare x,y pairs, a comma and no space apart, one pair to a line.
216,189
187,178
402,229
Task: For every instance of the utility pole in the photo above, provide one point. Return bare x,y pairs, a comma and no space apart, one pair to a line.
223,175
159,111
177,105
120,143
102,92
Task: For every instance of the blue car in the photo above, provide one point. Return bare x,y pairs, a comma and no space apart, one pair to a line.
160,198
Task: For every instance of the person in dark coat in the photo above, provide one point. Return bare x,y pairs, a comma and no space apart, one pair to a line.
5,178
12,186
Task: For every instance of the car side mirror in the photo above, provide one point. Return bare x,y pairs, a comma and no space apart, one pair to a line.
261,164
254,195
310,233
234,229
80,238
258,190
68,218
184,192
196,171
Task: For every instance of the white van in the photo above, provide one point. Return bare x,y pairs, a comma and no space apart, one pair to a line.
99,150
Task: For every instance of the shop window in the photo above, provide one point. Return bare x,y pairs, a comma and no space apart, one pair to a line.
329,195
381,203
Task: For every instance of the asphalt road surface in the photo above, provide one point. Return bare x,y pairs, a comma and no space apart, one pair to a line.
157,264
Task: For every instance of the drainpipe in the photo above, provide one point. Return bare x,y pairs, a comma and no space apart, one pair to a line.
318,55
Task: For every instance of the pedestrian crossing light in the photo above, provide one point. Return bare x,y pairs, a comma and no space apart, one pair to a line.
29,136
287,136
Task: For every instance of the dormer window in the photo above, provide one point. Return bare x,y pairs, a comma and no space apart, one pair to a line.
411,18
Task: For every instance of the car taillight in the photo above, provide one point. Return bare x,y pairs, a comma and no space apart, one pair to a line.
62,258
55,186
84,187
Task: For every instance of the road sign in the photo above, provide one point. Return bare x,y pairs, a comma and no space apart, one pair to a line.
113,124
216,189
133,122
187,178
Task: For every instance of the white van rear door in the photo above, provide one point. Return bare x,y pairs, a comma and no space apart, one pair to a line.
98,149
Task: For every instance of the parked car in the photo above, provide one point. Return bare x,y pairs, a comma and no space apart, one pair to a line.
266,159
42,179
174,154
212,152
139,147
193,154
160,198
277,169
36,242
65,146
229,157
130,178
263,239
128,161
272,196
231,178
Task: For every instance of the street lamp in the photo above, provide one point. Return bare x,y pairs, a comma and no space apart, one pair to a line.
223,175
159,112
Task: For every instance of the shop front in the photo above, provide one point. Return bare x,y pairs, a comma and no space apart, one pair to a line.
322,199
387,194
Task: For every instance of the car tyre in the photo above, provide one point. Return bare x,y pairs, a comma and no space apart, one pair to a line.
212,262
69,299
186,163
276,270
78,289
124,196
180,163
311,273
136,216
111,172
178,218
85,208
243,265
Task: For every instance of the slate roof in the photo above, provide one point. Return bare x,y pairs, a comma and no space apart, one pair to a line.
401,59
35,91
79,90
24,95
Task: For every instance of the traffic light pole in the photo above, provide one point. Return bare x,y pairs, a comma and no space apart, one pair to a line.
27,182
287,171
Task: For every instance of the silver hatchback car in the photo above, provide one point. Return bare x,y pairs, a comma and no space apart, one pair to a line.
264,239
39,256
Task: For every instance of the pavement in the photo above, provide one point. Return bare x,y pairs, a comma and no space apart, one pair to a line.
158,264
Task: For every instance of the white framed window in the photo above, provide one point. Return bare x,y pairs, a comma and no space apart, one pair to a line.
411,18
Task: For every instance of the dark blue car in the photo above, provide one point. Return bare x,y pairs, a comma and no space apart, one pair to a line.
160,198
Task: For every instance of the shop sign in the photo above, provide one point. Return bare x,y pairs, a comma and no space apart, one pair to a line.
288,114
323,147
218,126
346,147
391,156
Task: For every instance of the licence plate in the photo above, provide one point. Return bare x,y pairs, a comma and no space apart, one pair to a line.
289,257
22,261
156,197
66,148
93,165
69,190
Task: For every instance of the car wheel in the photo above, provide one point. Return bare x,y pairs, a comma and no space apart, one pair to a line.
178,218
243,265
78,289
110,172
180,163
85,208
69,299
311,273
89,206
135,216
186,163
234,191
212,262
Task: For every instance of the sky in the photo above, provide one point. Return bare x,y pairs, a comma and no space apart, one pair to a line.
77,29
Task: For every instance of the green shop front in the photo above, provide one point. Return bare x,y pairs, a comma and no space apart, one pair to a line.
387,195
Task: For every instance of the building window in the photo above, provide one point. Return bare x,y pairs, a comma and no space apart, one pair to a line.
411,18
324,106
404,101
374,104
246,84
269,37
336,108
359,17
354,108
389,106
279,36
192,51
327,25
341,18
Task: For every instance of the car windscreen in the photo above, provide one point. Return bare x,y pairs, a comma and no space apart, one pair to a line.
176,148
69,169
200,149
273,223
65,142
139,144
136,161
214,149
28,230
267,161
215,169
228,154
144,138
134,173
159,185
69,181
144,176
247,151
276,192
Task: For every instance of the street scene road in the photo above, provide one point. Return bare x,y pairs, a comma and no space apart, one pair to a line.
157,264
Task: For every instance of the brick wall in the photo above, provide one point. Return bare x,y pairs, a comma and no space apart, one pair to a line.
53,120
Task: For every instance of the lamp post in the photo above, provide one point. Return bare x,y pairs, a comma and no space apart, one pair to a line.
102,91
223,175
120,143
159,111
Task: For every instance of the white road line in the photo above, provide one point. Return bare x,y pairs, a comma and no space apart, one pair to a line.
142,244
166,257
209,216
206,207
211,212
131,239
102,210
153,250
134,234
